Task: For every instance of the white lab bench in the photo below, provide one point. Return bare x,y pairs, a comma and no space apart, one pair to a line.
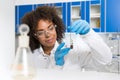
47,74
75,75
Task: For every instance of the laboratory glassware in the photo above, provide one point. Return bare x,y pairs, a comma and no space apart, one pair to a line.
114,66
23,67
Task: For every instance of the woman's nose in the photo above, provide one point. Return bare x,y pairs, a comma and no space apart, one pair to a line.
47,34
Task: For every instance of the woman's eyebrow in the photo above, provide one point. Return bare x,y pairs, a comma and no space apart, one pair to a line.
47,27
50,25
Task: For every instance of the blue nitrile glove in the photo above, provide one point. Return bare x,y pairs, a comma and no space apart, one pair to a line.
80,27
60,53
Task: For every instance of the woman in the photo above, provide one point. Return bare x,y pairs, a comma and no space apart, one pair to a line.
49,50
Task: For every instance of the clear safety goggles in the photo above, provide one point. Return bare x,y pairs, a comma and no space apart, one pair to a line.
43,33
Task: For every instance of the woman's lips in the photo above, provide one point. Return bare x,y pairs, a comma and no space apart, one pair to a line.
49,40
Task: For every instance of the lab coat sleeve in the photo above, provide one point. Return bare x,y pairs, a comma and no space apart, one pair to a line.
52,63
100,52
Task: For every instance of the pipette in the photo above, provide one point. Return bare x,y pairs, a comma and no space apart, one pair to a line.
71,41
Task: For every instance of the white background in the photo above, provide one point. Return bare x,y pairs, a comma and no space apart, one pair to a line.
7,33
21,2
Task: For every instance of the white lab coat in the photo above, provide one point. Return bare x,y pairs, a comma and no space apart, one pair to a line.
89,51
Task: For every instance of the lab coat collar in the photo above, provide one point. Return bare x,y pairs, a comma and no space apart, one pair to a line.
52,52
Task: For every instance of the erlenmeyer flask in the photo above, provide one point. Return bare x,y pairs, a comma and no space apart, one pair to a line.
23,68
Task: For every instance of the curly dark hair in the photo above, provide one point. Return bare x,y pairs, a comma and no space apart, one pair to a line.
45,13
